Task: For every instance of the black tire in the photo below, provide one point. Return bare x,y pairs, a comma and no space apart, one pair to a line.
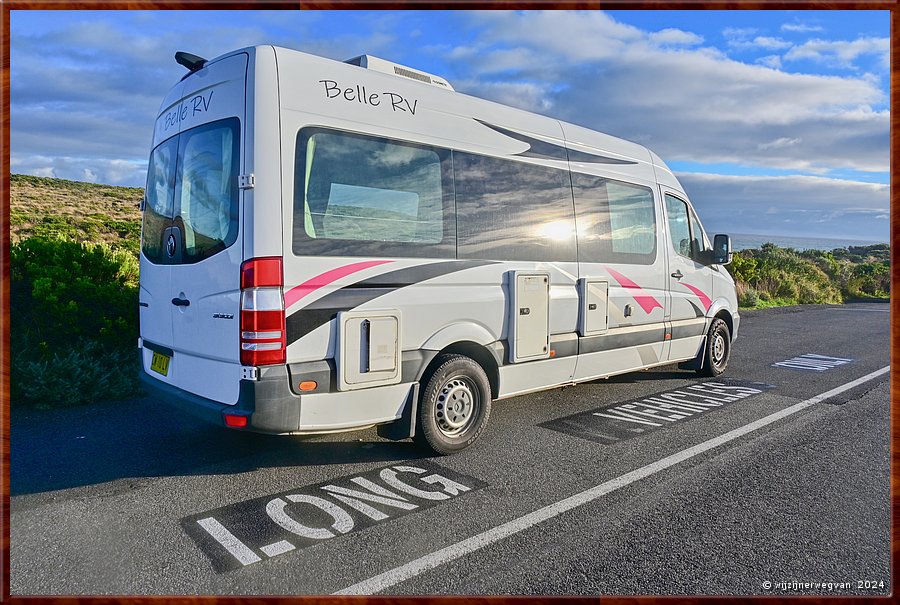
717,349
459,382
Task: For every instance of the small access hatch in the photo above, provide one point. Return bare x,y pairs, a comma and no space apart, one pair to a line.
368,349
594,317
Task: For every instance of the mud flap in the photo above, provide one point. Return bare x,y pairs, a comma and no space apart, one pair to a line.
697,362
405,426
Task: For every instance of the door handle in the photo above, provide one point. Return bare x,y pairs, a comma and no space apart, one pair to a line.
678,274
181,302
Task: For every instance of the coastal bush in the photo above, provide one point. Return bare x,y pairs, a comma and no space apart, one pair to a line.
783,276
74,321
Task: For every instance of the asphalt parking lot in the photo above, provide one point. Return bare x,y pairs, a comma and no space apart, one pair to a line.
773,480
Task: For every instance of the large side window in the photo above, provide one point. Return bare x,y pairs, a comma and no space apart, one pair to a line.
357,195
616,221
510,210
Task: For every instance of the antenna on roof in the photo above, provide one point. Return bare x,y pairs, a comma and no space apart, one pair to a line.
192,62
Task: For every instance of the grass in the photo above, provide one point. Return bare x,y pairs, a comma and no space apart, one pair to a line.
83,212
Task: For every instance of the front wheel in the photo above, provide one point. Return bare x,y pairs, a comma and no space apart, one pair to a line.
454,406
717,349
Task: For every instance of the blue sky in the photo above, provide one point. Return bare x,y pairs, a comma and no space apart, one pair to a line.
776,122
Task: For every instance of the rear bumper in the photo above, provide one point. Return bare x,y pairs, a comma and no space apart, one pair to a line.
271,407
268,403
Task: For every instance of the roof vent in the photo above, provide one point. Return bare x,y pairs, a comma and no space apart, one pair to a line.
388,67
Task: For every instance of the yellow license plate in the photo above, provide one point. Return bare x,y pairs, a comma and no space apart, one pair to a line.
160,363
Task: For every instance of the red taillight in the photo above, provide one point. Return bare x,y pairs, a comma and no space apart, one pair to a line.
259,272
235,421
263,340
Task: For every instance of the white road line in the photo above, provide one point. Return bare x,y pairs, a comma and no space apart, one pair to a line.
454,551
278,548
227,539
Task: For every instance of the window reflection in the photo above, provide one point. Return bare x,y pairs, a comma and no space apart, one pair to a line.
510,210
616,221
358,195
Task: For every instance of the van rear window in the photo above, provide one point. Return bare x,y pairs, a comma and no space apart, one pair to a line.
192,194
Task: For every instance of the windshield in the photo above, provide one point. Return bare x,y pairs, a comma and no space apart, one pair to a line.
191,199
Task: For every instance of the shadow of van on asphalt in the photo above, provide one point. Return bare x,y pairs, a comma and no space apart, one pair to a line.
75,447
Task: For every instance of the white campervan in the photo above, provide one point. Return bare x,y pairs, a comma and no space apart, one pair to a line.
328,246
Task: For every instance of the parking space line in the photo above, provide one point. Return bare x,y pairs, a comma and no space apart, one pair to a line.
430,561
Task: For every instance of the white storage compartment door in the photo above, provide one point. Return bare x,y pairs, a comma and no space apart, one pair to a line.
529,324
368,349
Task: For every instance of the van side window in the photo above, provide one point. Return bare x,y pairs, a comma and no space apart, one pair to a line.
616,221
679,229
359,195
699,243
510,210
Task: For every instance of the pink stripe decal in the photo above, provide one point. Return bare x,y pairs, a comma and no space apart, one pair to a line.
323,279
647,302
704,299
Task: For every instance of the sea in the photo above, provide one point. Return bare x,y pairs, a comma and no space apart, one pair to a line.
742,241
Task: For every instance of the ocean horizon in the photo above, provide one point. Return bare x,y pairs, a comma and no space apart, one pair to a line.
744,241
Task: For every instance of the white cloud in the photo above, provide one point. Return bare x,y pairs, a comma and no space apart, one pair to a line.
841,53
770,43
782,205
801,28
90,169
675,37
777,144
687,104
530,96
773,61
740,42
738,33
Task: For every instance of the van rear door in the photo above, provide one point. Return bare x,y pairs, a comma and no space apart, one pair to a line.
200,244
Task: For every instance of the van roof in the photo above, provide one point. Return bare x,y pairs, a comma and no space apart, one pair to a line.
573,133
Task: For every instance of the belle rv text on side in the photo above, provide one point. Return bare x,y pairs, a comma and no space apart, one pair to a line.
328,246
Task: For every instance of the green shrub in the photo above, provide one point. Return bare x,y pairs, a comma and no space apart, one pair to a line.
748,297
787,289
83,373
74,318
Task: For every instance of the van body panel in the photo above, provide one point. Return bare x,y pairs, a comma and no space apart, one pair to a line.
261,209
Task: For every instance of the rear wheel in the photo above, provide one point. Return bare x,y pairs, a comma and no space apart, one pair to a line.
717,349
454,406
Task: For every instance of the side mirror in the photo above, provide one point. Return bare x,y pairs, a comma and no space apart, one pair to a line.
721,252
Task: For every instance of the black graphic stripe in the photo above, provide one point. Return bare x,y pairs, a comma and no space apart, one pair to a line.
550,151
697,311
305,320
